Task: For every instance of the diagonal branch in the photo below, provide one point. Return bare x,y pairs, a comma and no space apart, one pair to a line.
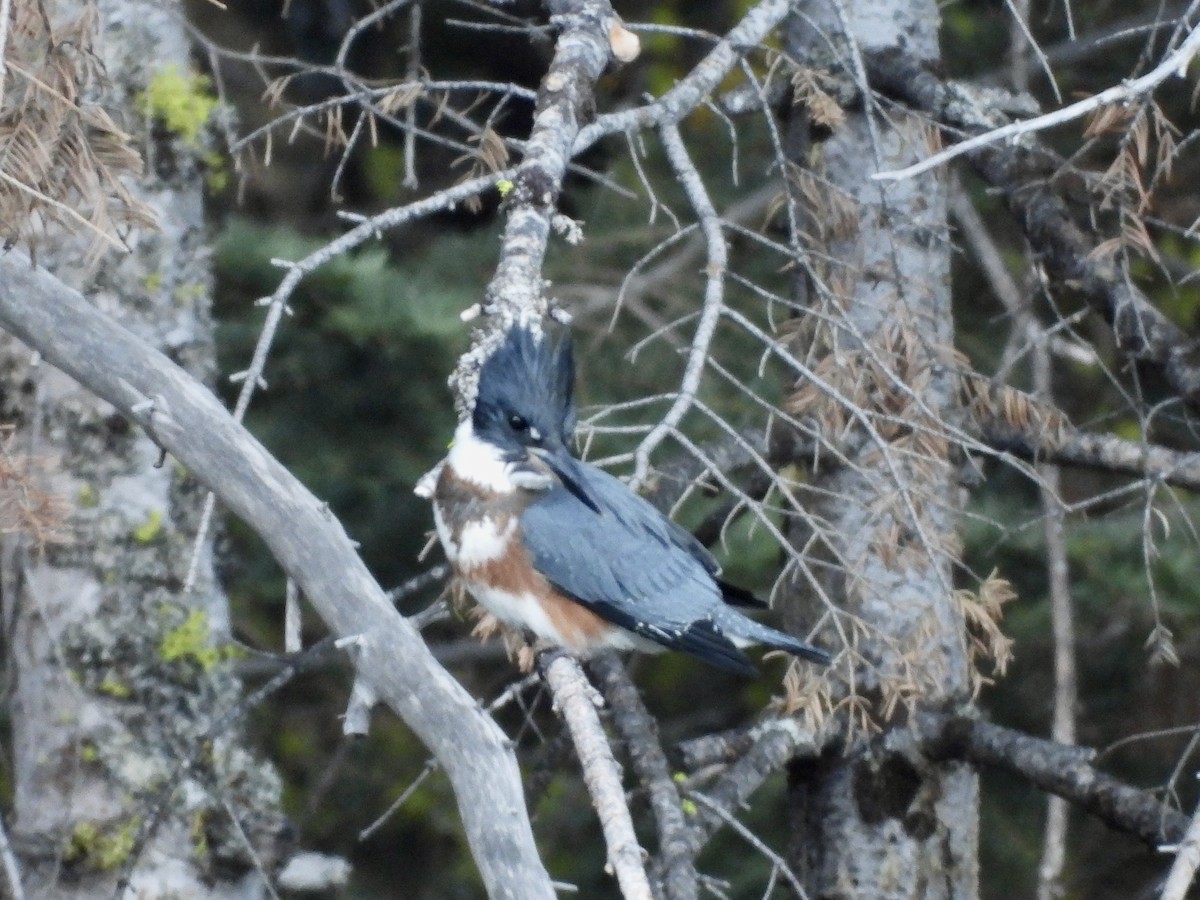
565,100
639,733
1068,254
1187,860
1127,92
1063,770
575,700
184,418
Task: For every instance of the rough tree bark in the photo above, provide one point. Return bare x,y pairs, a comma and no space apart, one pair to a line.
117,671
872,823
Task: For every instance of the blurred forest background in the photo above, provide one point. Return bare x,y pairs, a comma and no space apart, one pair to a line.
358,408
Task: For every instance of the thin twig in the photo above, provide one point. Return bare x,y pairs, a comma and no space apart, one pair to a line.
752,839
410,114
5,12
714,298
248,845
431,766
1175,63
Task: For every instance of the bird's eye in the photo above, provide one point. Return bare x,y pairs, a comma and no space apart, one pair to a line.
517,423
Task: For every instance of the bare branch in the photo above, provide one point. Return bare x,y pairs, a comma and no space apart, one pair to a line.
1068,254
565,99
1100,451
639,733
1062,770
184,418
574,699
12,871
753,840
1187,860
691,91
1173,64
776,741
714,298
1062,623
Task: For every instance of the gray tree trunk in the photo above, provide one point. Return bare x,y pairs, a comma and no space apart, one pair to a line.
117,674
876,821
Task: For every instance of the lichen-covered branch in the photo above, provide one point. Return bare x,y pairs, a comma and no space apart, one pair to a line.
565,102
184,418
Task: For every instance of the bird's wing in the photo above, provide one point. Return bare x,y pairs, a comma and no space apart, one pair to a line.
628,566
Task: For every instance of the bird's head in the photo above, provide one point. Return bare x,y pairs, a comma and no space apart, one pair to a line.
525,406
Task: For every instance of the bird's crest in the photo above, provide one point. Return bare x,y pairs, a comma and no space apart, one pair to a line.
531,373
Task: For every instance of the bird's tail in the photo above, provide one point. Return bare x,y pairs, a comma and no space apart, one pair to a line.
738,626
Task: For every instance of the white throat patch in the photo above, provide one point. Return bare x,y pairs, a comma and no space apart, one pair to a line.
478,462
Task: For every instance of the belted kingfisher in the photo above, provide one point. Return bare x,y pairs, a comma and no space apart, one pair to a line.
562,549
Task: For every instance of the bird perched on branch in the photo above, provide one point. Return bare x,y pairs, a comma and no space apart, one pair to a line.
563,550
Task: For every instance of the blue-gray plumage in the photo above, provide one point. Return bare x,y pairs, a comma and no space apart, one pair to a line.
558,547
637,569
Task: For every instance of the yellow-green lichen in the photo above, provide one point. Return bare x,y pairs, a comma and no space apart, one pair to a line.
689,807
104,849
199,833
188,294
150,529
89,497
191,640
114,687
182,102
504,186
89,753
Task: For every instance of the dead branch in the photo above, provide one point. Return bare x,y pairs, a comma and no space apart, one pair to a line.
1106,452
1067,252
184,418
776,742
639,733
714,298
1063,770
575,700
565,100
1174,63
1187,860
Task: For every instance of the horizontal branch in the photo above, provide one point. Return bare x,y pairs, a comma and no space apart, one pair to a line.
184,418
1105,452
1063,770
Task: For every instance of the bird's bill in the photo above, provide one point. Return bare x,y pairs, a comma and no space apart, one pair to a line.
567,469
